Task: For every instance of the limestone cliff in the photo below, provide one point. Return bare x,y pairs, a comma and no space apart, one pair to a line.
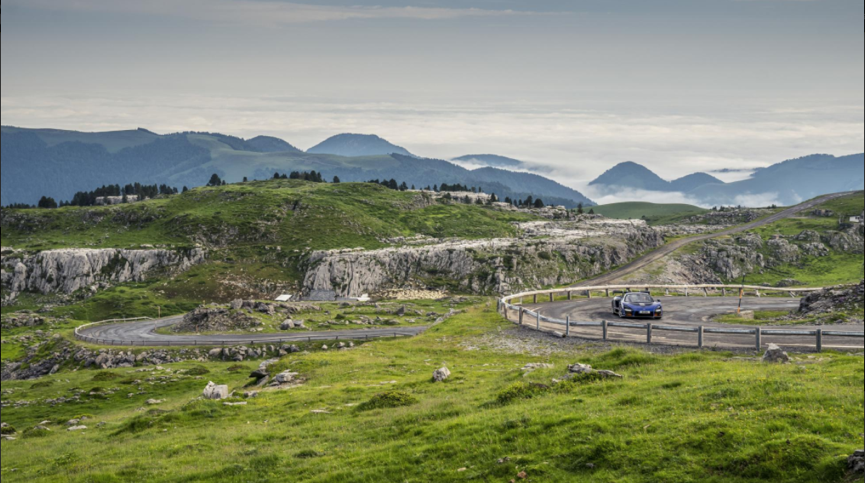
550,253
70,270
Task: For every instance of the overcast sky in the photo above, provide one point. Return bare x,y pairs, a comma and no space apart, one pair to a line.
578,85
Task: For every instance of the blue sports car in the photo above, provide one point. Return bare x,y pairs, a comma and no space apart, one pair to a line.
637,306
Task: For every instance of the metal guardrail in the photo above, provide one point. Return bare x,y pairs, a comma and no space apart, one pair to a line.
506,307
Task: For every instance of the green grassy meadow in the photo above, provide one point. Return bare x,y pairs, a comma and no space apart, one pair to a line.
655,214
689,417
248,217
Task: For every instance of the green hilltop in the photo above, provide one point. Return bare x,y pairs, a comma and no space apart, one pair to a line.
652,212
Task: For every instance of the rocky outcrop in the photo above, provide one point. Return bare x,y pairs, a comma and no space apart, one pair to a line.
69,270
729,217
775,355
834,299
215,319
549,254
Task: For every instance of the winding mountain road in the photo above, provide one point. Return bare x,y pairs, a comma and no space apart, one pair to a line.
694,312
143,333
610,277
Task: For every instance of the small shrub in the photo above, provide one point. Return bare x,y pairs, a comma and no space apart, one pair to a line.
7,431
198,371
35,433
521,390
136,425
579,380
238,368
545,256
105,377
41,384
390,399
308,454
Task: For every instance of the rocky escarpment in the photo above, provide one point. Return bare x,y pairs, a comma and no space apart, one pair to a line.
70,270
731,258
835,299
214,319
550,253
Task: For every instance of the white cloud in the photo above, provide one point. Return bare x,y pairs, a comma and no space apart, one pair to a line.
260,12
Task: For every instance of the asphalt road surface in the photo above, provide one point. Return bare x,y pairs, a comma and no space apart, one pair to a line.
692,312
611,277
144,334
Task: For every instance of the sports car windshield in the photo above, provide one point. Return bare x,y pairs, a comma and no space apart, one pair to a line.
639,298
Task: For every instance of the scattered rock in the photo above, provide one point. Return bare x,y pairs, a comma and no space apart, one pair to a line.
529,368
154,402
579,369
774,355
212,391
234,404
77,428
856,463
441,375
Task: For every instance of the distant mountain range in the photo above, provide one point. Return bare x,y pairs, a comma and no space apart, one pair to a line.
354,145
46,162
787,183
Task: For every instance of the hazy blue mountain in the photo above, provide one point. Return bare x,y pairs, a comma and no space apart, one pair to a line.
36,163
267,144
533,183
353,145
632,175
792,181
693,181
491,160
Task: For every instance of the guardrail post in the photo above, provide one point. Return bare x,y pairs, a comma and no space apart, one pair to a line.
606,329
568,326
724,291
570,296
705,292
687,293
608,293
522,313
759,332
552,296
648,333
589,294
700,337
819,340
535,299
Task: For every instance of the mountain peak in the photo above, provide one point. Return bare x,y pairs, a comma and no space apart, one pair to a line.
632,175
354,145
269,144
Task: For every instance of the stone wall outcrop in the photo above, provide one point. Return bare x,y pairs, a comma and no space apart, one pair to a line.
549,254
67,271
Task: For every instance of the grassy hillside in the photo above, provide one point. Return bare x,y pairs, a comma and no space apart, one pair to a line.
655,214
838,267
248,217
258,235
692,417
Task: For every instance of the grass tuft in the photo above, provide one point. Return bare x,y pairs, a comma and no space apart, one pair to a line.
389,400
